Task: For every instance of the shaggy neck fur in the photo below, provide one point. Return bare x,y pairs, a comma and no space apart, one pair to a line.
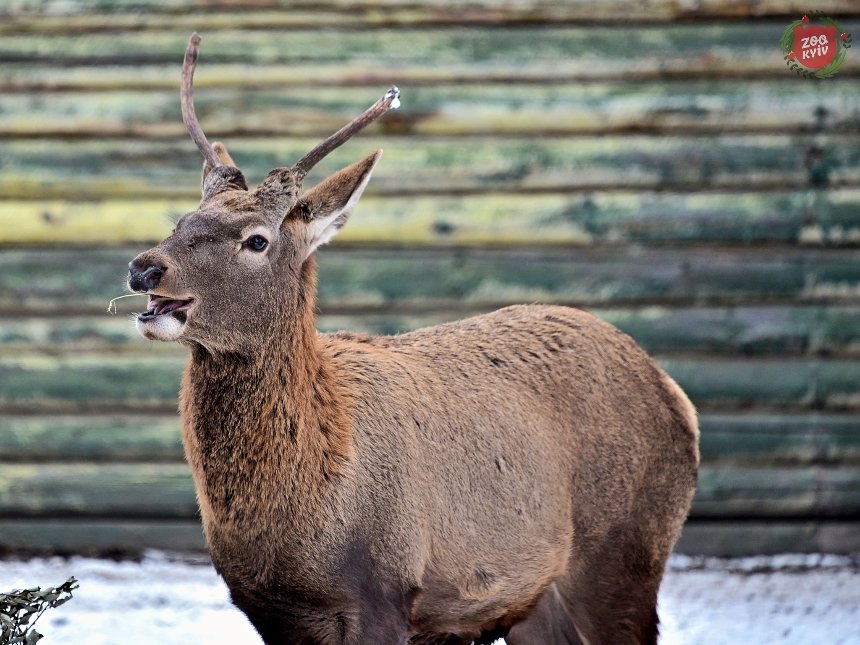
257,428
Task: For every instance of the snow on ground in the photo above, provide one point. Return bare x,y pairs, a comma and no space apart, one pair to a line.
176,599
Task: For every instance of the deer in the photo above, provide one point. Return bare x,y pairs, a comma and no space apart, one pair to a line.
522,474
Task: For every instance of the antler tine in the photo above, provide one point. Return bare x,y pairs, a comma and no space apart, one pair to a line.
390,100
189,116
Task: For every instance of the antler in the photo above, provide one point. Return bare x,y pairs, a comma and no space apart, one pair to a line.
390,100
189,116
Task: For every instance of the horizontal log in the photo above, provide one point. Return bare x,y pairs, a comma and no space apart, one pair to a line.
128,491
237,41
732,539
779,439
694,106
778,383
610,217
744,439
48,170
725,538
165,491
79,17
68,281
97,537
93,438
243,54
777,492
84,16
785,330
143,383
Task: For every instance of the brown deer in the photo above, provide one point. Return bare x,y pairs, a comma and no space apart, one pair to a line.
522,474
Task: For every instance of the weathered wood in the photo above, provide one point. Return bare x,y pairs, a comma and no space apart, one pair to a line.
121,491
94,438
165,491
98,537
727,439
44,170
771,439
784,330
88,536
571,47
732,491
728,539
146,382
538,132
89,15
68,281
695,106
490,218
781,384
49,53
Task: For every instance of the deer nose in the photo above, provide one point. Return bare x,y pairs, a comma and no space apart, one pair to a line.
144,279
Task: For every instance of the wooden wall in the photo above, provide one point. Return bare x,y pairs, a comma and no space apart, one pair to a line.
651,161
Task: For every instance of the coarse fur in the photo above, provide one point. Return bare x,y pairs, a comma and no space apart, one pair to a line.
524,473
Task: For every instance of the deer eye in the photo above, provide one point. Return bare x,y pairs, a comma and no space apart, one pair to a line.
256,243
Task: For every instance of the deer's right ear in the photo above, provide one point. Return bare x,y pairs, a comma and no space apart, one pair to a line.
324,209
224,177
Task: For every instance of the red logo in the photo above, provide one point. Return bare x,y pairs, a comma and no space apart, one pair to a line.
815,46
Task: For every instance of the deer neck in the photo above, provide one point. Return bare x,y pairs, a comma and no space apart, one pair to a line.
268,436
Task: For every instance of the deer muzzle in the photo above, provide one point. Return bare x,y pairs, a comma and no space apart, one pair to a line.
144,278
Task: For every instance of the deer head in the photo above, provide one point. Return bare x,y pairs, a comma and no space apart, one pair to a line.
232,268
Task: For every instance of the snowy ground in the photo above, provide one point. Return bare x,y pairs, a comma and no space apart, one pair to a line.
164,599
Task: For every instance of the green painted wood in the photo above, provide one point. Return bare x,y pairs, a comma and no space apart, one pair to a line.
779,439
146,382
97,537
129,491
755,439
784,330
732,539
694,106
89,536
481,11
245,50
68,281
776,492
89,17
778,383
89,383
493,218
93,438
47,170
135,491
244,37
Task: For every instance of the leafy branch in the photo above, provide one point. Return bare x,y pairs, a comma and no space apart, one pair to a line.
21,608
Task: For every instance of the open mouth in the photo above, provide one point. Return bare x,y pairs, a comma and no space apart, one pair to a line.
160,306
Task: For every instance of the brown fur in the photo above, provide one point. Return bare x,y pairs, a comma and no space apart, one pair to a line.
524,474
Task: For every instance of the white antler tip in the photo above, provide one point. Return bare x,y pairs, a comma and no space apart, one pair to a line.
393,95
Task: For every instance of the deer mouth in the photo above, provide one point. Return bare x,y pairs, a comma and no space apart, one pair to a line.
161,306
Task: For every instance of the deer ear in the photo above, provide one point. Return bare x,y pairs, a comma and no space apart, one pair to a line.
227,177
324,209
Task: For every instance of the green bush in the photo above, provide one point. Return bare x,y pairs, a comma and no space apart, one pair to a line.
21,608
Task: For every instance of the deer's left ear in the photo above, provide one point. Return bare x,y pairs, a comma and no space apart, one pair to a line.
324,209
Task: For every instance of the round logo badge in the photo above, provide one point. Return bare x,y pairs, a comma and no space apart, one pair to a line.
815,46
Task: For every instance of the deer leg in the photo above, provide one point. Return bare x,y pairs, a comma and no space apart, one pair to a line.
549,623
612,596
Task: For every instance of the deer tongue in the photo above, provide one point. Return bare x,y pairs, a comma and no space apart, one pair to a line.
158,305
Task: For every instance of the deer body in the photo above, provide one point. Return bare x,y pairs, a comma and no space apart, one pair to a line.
478,462
525,473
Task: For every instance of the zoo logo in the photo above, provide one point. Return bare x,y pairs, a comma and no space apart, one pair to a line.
811,47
